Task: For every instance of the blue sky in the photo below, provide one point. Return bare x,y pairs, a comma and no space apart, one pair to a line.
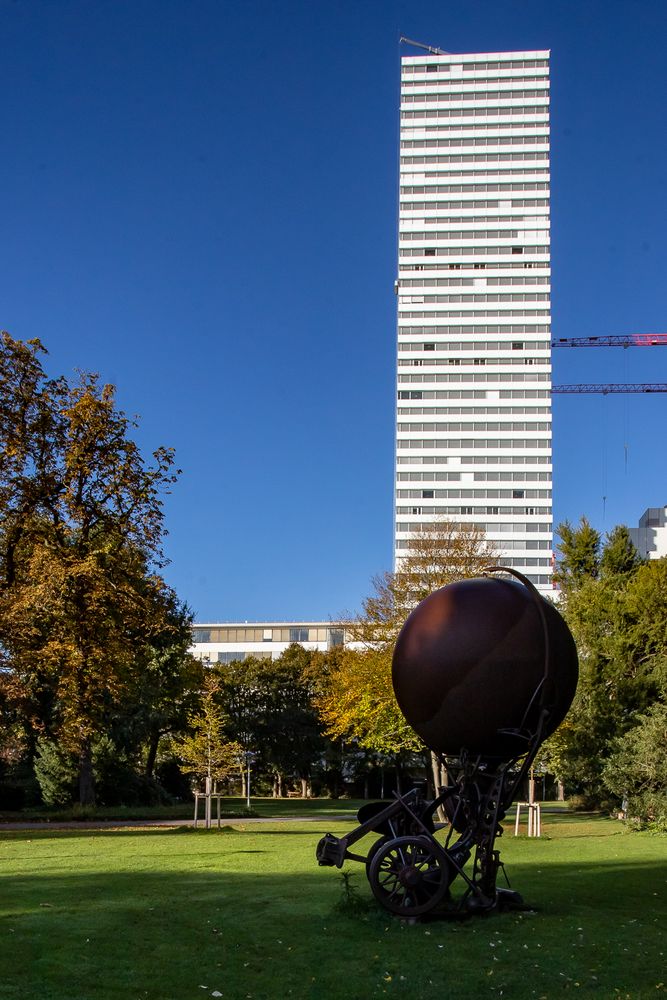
199,202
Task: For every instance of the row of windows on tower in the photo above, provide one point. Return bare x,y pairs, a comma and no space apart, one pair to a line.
449,96
466,251
513,281
515,138
477,477
497,377
475,297
471,65
538,113
474,157
505,426
472,394
410,80
474,460
537,122
419,236
475,313
491,511
455,444
473,411
445,346
475,494
476,362
540,175
450,330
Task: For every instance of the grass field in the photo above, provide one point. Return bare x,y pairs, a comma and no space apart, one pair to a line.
246,913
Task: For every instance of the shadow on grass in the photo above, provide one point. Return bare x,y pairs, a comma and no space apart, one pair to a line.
244,925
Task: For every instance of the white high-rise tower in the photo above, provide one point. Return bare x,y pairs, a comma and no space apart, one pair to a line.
473,435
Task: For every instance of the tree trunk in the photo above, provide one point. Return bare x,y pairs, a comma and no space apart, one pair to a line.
436,771
438,776
86,775
151,754
304,788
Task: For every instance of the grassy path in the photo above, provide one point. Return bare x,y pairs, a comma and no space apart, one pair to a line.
246,913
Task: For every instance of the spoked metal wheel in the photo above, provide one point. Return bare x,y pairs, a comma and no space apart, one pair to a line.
372,851
408,876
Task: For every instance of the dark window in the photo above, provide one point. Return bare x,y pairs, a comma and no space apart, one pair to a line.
517,249
201,635
427,494
298,635
429,252
517,345
518,494
336,637
429,347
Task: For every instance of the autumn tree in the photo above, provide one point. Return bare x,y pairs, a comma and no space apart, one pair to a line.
439,553
358,700
205,750
81,526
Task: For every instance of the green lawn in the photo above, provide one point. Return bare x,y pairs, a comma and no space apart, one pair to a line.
246,913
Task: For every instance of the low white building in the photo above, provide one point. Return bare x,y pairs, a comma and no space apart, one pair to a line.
224,642
650,536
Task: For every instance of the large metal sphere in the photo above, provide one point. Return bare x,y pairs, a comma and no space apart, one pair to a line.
468,665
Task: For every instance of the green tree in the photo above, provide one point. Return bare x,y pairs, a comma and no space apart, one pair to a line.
81,526
293,737
636,771
56,773
270,712
619,556
618,616
580,555
164,687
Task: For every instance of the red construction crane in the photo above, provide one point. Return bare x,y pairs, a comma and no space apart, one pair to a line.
629,340
612,387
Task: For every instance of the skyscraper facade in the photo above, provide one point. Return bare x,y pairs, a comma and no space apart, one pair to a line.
473,439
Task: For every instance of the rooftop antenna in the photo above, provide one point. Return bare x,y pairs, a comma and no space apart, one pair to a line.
420,45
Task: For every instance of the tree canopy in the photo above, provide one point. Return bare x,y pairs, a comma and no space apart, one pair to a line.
81,529
358,699
616,606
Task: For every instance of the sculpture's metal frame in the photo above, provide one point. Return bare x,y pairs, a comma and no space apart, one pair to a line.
410,871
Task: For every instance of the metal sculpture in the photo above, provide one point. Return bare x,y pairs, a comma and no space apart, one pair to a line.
483,670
